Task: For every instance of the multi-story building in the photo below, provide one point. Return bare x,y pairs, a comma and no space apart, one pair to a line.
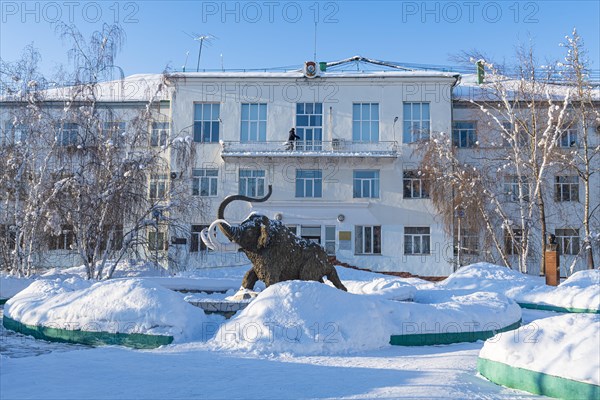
351,181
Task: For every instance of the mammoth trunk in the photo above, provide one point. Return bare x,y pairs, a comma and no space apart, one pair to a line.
230,231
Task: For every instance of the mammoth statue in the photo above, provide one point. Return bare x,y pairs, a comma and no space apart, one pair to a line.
276,253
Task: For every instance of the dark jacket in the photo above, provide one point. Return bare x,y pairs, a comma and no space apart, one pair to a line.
293,135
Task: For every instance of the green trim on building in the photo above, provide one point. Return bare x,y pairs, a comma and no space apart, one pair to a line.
536,382
431,339
134,340
546,307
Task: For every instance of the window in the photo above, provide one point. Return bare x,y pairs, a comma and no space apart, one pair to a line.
63,241
330,239
469,242
367,239
159,134
112,238
568,137
414,186
511,188
417,240
365,122
114,130
204,182
13,134
156,240
366,184
67,134
309,183
312,233
512,243
464,134
158,186
206,122
566,188
416,122
309,126
196,243
254,122
568,241
252,182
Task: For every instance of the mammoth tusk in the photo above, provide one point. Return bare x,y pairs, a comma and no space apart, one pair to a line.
210,239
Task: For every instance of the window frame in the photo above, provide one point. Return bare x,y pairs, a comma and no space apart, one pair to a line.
250,185
470,135
358,187
202,176
367,240
568,238
365,130
213,123
248,121
161,185
159,133
313,180
566,191
420,233
512,243
412,181
408,122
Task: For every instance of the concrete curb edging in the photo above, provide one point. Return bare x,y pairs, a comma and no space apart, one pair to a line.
133,340
546,307
431,339
536,382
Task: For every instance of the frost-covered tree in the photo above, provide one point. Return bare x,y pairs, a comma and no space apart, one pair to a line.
583,156
504,181
79,177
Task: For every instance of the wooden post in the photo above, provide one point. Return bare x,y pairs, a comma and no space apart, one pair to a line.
552,264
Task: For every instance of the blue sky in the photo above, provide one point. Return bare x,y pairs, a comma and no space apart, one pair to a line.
260,34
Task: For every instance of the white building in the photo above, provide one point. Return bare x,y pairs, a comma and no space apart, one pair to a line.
351,181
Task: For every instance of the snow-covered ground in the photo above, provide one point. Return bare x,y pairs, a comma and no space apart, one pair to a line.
330,344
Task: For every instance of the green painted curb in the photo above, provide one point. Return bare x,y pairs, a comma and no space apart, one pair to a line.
431,339
546,307
3,301
536,382
134,340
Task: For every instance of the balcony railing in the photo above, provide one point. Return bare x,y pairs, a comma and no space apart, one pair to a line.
310,148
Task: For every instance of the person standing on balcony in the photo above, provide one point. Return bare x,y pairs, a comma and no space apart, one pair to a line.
291,138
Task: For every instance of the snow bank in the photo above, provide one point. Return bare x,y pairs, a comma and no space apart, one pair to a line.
580,291
566,346
490,277
10,286
311,318
114,306
373,284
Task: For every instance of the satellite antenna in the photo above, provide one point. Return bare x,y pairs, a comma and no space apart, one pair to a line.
201,38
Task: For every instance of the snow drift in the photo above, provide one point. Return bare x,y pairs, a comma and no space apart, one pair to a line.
567,346
311,318
114,306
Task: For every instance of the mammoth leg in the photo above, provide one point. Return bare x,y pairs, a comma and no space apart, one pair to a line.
335,279
250,279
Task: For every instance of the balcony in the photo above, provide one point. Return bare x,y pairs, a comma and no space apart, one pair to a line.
305,148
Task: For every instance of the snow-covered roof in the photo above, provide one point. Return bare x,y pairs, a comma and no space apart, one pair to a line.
135,88
468,89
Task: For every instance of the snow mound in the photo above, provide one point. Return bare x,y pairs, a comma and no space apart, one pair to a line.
581,290
10,286
567,346
307,318
490,277
114,306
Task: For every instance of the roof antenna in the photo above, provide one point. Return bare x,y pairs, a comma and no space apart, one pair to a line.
187,53
315,53
201,38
